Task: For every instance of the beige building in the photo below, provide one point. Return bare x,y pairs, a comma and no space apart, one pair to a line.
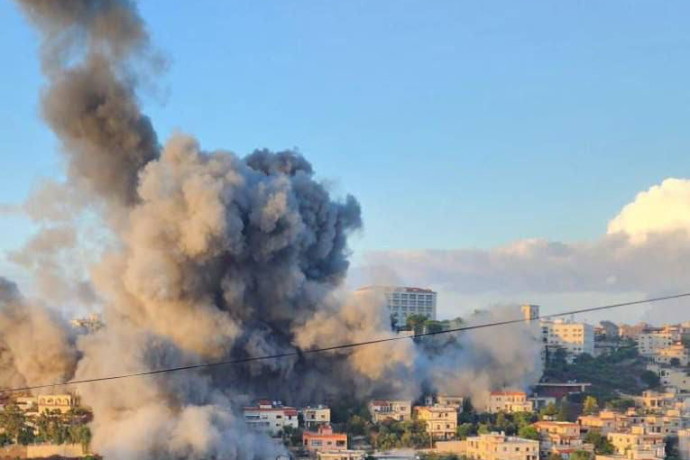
654,401
574,338
62,403
605,422
530,312
649,343
561,438
637,444
510,402
314,416
342,455
498,446
441,422
675,351
399,410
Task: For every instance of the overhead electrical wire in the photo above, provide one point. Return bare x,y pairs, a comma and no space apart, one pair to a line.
297,353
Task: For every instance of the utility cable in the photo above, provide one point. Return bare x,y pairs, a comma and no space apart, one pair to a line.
346,346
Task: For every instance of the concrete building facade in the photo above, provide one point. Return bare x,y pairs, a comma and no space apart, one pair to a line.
498,446
441,422
406,301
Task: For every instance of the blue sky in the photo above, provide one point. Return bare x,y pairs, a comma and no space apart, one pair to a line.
456,124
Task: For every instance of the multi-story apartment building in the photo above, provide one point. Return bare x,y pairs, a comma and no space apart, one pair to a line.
314,416
405,301
455,402
441,422
561,438
498,446
271,417
574,338
649,343
638,444
509,402
381,410
605,422
324,439
668,424
658,402
675,351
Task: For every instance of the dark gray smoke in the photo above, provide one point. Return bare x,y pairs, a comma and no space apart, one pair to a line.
92,105
215,256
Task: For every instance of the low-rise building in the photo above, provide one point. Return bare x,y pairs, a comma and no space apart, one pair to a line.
342,455
314,416
509,402
655,401
605,422
271,417
381,410
498,446
441,421
324,439
638,444
560,438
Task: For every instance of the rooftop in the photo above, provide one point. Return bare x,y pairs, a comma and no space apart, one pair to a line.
396,289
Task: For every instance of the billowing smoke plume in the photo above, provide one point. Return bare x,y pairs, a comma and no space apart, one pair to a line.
479,361
34,346
214,256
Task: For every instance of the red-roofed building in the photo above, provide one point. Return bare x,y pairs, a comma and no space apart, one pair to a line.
271,417
324,440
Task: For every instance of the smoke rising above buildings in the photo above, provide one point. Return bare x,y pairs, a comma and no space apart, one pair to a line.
210,255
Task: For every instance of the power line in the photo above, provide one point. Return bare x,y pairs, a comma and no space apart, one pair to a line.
342,346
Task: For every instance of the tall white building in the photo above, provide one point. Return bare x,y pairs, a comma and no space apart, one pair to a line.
406,301
574,338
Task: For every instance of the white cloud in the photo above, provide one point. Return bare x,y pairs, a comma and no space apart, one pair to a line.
661,209
646,252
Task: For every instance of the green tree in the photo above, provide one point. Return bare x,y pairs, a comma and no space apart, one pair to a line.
12,420
602,445
591,406
551,410
580,455
562,415
416,323
554,456
529,432
651,379
465,430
